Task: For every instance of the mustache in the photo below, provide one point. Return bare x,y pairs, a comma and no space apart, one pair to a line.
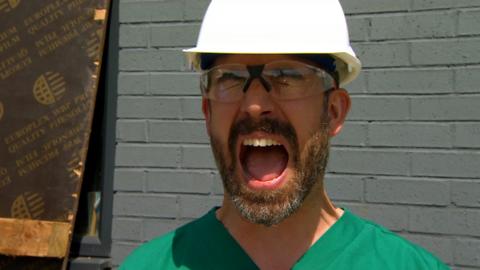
267,125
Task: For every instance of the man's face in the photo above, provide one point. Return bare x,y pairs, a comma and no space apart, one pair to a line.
270,153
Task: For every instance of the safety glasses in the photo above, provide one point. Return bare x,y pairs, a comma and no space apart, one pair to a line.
283,80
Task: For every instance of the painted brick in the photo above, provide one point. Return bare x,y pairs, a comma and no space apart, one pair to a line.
466,193
403,81
132,83
127,229
435,4
371,6
133,36
147,155
369,161
441,247
467,80
409,134
148,107
440,52
394,86
195,9
145,205
121,250
393,217
174,35
129,180
467,252
197,206
379,108
388,54
148,11
467,135
463,107
469,22
463,268
151,60
179,181
358,28
407,191
445,221
178,131
192,108
446,164
157,227
131,131
344,187
177,84
352,134
217,188
197,156
418,25
359,85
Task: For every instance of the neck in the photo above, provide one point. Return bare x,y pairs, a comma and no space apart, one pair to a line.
267,246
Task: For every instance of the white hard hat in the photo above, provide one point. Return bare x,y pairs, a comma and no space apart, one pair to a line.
277,27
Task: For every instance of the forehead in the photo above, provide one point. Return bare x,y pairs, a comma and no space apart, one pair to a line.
257,59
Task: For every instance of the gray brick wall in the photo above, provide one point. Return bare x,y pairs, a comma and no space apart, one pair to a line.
409,154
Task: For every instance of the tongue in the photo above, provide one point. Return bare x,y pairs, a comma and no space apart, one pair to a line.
265,163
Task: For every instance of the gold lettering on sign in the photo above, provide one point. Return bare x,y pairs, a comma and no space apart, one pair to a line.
75,4
5,179
28,139
7,5
15,63
66,117
92,44
33,161
49,88
8,38
43,17
50,42
1,110
68,31
28,205
63,138
26,135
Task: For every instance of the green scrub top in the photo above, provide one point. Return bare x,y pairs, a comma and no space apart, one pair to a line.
351,243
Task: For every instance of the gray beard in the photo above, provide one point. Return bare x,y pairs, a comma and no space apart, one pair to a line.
271,207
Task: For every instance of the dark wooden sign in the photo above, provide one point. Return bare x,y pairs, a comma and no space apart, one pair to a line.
50,57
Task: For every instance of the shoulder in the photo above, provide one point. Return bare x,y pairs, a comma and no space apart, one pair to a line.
394,250
158,253
152,254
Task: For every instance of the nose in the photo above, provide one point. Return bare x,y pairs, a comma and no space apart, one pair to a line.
257,102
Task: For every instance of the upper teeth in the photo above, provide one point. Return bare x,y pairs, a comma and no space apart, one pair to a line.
260,142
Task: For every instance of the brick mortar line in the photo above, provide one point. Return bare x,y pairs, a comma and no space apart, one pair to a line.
401,178
343,174
409,11
410,149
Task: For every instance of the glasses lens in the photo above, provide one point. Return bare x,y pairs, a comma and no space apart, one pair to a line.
294,80
225,82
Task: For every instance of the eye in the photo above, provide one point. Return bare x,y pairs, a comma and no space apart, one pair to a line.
227,76
286,76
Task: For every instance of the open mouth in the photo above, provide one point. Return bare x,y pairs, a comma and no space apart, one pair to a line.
263,159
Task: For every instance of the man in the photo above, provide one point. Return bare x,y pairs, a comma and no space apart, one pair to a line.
271,82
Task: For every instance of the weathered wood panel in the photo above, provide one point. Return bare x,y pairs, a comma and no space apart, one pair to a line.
26,237
50,58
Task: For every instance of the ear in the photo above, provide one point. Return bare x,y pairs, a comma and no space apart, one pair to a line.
206,113
338,107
